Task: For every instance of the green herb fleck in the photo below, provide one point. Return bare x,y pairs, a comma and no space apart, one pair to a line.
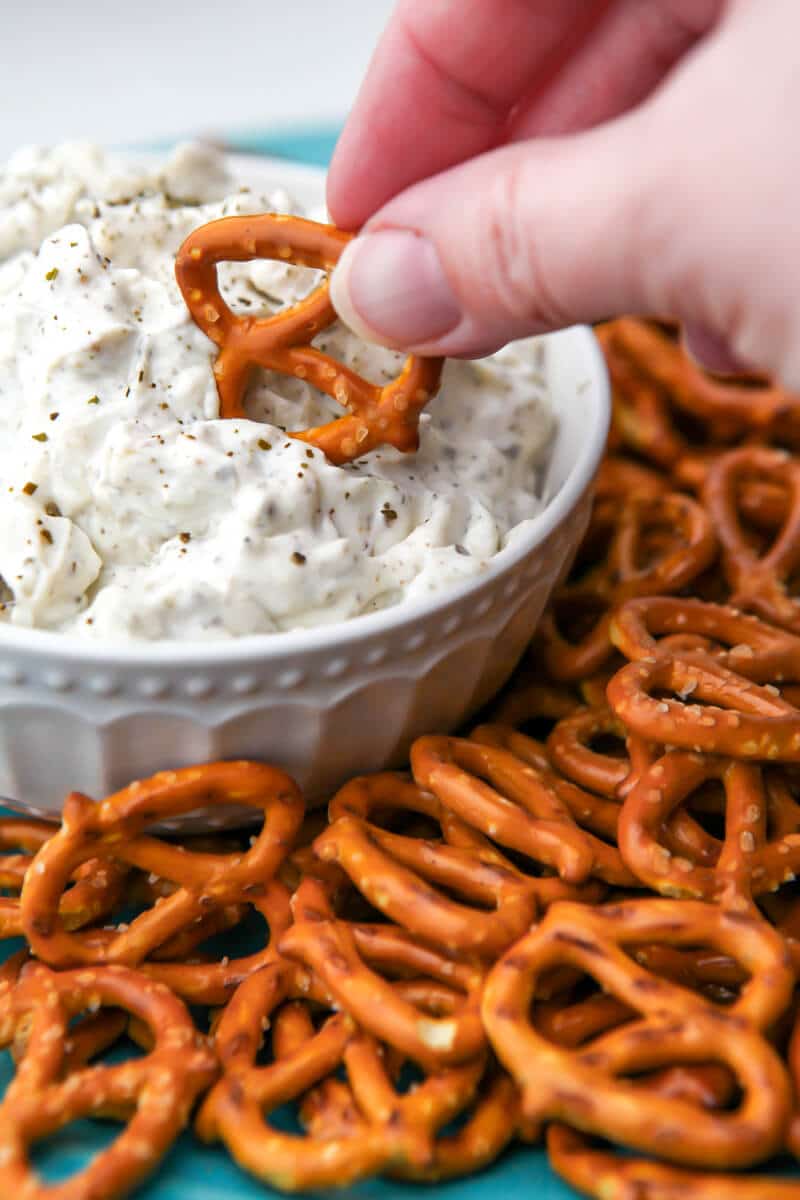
52,274
39,437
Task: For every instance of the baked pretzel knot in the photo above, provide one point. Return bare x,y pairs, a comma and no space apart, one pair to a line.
153,1094
592,1088
378,415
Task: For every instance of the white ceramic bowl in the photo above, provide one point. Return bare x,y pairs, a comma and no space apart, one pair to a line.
323,703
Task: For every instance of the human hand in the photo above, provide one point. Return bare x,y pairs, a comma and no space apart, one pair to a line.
521,165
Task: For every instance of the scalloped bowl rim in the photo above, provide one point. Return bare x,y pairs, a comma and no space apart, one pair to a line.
285,643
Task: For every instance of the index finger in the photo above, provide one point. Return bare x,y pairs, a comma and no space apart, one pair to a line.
440,89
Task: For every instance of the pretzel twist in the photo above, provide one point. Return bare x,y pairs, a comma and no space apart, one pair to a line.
237,1109
737,873
759,581
378,415
586,1088
739,641
641,416
596,817
570,751
399,875
500,794
355,1129
616,481
736,718
329,948
735,406
113,830
97,888
601,1173
157,1092
660,544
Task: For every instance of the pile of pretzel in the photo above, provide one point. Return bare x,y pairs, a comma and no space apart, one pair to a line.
579,923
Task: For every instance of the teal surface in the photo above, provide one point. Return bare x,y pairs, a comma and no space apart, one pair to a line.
313,146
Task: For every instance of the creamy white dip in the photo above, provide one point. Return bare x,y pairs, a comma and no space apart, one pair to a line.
128,510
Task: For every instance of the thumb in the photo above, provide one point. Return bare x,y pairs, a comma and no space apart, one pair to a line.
530,237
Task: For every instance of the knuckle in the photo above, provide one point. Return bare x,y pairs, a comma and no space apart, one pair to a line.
513,274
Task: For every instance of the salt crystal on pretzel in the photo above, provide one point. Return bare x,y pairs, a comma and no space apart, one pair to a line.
378,415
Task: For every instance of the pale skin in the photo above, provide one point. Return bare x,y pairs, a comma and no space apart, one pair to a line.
520,165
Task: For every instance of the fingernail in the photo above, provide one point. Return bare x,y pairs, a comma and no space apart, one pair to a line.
709,351
389,287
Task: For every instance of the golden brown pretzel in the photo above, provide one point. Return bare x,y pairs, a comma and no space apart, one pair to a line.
616,778
402,876
753,648
490,1126
238,1107
596,816
618,479
731,404
738,872
383,1131
660,544
736,718
587,1087
642,420
214,982
503,796
97,887
574,1024
9,974
759,580
601,1173
570,751
328,948
157,1091
114,829
387,415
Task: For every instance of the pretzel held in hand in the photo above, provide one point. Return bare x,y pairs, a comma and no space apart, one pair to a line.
377,416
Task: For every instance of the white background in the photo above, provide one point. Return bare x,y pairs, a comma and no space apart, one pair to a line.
122,71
